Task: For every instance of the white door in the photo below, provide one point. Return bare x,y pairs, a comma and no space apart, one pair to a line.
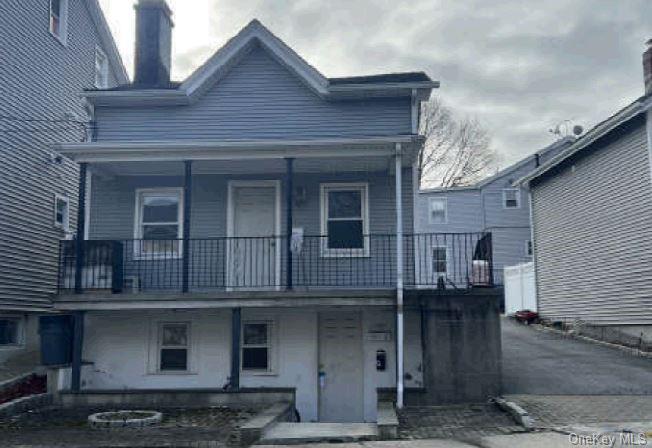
340,367
252,260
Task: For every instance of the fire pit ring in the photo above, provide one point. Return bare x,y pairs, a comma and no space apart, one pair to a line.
124,419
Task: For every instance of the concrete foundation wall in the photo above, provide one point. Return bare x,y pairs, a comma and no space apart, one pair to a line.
120,349
462,355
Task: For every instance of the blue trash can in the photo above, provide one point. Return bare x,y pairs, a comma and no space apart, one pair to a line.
56,339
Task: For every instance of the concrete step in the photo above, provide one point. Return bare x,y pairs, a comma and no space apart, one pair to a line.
298,433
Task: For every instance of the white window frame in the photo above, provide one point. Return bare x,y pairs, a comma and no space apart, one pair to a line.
65,225
325,188
138,222
518,198
101,69
62,36
187,347
271,347
430,201
529,248
20,331
438,274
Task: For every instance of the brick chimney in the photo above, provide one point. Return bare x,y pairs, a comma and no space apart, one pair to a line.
153,43
647,67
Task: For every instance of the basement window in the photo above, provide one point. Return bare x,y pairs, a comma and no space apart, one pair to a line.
256,353
174,346
10,331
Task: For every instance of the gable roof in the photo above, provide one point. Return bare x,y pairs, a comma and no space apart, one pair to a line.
108,43
559,145
585,142
256,34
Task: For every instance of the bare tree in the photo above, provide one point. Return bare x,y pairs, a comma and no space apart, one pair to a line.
456,151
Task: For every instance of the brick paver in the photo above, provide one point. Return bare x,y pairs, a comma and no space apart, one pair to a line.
562,410
52,426
461,422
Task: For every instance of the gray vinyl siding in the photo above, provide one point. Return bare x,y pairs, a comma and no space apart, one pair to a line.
257,99
113,202
42,79
593,233
112,218
464,209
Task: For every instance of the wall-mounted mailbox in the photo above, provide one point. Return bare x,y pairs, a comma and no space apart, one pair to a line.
381,360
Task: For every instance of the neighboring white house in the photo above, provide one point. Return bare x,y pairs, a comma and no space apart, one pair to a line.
592,220
492,206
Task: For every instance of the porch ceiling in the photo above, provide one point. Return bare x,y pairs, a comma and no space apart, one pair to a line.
243,167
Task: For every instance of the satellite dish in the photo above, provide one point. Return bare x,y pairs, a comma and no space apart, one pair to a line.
577,130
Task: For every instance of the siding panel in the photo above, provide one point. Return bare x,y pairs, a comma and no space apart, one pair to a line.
593,227
258,99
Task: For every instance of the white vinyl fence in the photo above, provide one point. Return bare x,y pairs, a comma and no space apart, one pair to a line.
520,289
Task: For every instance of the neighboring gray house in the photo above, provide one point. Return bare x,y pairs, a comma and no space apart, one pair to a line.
492,205
250,227
52,50
592,219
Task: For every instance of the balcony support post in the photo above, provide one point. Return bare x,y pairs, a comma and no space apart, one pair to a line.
81,224
399,277
77,350
289,174
187,204
236,328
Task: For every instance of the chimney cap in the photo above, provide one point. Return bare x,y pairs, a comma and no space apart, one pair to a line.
155,4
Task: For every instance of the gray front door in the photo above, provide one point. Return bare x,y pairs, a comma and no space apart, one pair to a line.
340,367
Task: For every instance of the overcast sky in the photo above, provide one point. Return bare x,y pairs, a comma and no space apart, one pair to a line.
519,67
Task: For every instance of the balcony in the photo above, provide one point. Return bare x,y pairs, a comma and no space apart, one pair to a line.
441,262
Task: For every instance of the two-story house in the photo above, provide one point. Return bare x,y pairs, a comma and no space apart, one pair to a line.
493,206
249,227
53,50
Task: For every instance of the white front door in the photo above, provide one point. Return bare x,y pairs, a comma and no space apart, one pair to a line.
253,246
340,367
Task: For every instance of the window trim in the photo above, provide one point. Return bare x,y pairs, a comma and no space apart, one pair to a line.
62,37
271,345
139,192
64,226
105,68
20,331
324,189
188,347
518,198
437,275
445,201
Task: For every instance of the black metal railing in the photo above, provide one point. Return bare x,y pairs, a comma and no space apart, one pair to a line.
436,261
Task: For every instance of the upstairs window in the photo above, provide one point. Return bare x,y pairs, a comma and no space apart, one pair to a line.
437,211
158,222
257,346
345,219
511,198
59,19
101,69
174,347
61,212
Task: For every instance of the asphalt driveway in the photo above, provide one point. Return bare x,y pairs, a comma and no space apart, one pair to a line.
543,363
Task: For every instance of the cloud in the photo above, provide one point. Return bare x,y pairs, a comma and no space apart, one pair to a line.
518,67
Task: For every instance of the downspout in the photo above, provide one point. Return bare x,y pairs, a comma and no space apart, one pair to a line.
399,277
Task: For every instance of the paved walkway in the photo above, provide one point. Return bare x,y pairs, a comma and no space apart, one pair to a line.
543,363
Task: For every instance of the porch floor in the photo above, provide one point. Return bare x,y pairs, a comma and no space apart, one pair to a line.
297,433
